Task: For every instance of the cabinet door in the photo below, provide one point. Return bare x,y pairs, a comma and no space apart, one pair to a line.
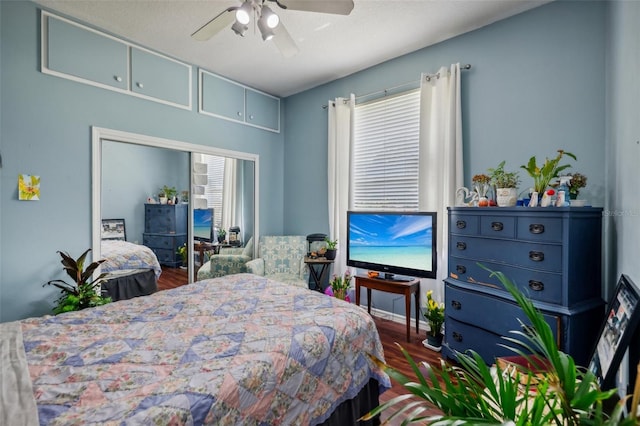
263,110
221,97
160,77
85,54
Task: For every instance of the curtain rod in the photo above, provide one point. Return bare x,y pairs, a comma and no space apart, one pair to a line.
462,67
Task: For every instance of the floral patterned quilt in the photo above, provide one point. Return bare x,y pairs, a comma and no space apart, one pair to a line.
236,350
122,255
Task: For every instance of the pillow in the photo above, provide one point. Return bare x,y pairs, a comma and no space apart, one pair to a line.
248,249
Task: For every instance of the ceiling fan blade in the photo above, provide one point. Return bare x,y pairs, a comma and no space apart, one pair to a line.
284,42
214,26
338,7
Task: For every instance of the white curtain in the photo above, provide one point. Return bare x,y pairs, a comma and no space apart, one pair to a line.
230,194
440,167
339,174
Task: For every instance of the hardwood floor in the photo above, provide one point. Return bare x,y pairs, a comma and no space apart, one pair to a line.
390,332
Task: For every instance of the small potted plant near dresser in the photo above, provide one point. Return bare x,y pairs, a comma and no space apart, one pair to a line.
506,184
435,317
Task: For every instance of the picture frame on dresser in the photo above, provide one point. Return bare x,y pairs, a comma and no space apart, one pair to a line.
618,327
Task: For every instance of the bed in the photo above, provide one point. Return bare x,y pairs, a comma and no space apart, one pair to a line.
235,350
133,269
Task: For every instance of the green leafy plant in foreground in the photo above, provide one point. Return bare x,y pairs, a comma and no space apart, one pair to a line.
82,293
551,390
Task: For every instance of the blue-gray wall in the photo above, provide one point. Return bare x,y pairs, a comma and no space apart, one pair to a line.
45,130
132,173
560,76
537,84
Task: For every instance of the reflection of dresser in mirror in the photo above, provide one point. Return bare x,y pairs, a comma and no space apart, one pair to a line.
165,229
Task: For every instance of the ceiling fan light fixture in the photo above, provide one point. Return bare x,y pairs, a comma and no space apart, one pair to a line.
267,33
239,28
269,16
243,13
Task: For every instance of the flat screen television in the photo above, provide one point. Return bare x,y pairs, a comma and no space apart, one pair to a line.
203,225
402,243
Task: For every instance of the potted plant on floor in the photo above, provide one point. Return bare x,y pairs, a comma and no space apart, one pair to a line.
183,253
506,184
549,389
83,292
434,315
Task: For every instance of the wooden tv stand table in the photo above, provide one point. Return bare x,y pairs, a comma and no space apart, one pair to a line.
390,286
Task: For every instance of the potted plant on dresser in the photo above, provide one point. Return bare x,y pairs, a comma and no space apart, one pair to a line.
506,184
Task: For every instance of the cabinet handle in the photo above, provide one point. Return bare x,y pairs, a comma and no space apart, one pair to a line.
457,336
117,78
239,114
461,269
536,256
456,305
140,85
536,285
251,117
497,226
461,224
461,245
536,228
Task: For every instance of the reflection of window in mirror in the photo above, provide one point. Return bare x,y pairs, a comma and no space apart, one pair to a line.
223,190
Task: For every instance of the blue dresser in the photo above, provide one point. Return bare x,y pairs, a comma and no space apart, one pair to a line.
165,229
553,255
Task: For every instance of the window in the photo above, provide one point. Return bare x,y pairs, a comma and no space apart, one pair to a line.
385,153
215,183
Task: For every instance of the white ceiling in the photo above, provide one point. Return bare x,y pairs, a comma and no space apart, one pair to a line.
330,46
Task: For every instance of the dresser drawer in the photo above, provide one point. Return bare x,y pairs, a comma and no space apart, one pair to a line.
538,285
464,224
164,241
165,218
547,229
498,226
461,337
546,257
165,255
490,313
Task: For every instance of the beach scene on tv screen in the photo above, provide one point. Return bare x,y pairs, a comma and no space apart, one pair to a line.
202,220
401,240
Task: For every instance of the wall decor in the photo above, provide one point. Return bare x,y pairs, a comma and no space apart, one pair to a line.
615,334
28,187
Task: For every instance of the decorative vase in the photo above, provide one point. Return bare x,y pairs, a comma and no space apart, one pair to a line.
482,189
330,254
434,341
339,294
506,197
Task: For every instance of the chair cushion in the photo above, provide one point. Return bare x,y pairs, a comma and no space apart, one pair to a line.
283,254
248,249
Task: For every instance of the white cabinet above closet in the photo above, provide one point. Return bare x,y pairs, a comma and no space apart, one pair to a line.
223,98
76,52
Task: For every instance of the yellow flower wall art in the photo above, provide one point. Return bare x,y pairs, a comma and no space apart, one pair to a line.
28,187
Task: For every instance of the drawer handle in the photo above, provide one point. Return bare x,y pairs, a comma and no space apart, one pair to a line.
456,305
461,224
461,269
536,228
497,226
461,245
536,256
457,336
117,78
536,285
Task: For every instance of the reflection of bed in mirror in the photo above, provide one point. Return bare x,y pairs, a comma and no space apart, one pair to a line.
241,349
133,269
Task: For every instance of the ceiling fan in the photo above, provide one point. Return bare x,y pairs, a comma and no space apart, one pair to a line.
267,20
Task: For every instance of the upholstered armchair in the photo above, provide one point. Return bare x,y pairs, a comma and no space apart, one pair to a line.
231,260
282,258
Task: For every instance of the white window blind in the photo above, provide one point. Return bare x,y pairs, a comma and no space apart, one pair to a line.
213,190
385,153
